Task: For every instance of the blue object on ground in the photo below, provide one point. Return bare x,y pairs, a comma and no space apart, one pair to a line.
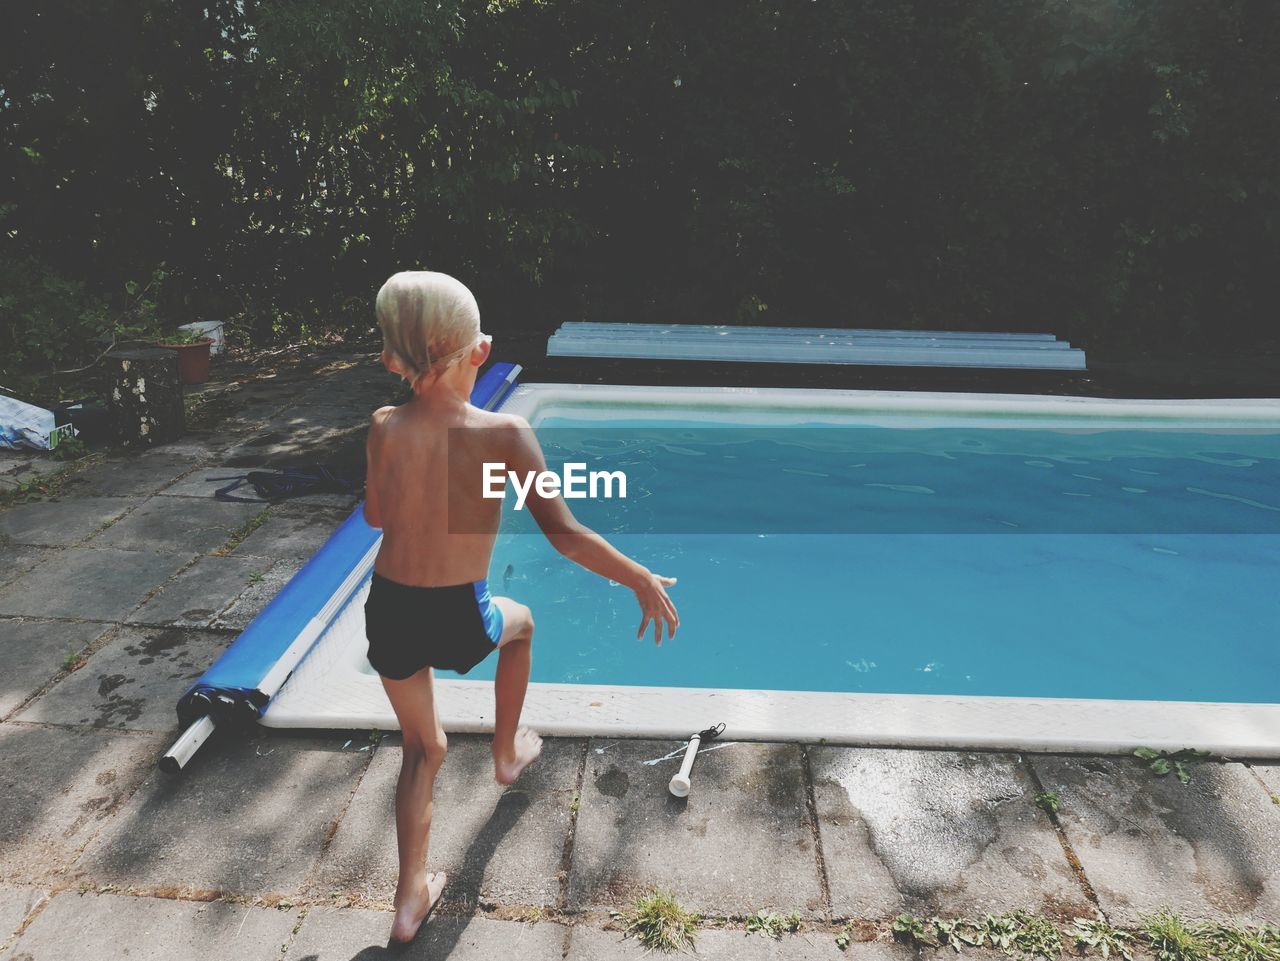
241,683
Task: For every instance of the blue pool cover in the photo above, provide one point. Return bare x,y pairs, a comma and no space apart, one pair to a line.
240,684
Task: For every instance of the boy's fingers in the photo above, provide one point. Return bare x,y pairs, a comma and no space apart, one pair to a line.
643,624
666,581
672,614
671,608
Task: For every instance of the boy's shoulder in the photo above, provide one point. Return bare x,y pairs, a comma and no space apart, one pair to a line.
379,419
493,418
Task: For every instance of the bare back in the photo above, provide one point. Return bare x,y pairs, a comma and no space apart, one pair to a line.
425,491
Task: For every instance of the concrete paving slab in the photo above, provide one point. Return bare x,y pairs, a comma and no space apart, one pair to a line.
17,559
106,927
292,533
499,847
258,594
15,905
194,444
937,832
347,934
59,523
1210,848
203,483
22,466
166,524
33,651
135,476
198,594
132,683
741,842
59,785
299,439
596,944
1270,776
88,583
247,816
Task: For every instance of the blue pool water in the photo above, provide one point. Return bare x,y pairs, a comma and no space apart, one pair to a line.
1038,563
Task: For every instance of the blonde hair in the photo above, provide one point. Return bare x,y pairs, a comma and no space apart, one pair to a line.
428,321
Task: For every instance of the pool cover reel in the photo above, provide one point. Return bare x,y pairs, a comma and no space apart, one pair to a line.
239,685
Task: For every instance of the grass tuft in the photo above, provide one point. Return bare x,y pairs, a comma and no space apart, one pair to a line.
1172,939
659,923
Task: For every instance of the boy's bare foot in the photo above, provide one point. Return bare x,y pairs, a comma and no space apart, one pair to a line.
526,748
414,910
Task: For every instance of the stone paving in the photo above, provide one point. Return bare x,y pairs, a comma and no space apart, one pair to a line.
118,593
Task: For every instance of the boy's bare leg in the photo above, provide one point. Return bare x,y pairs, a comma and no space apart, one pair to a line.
514,747
413,700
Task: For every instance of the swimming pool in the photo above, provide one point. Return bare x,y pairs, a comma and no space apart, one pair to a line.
910,568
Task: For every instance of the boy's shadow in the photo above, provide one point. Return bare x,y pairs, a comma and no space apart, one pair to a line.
441,933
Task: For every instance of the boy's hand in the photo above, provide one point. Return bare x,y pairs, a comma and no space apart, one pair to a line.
656,606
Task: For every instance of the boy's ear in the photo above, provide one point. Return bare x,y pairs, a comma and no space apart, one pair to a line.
481,352
389,362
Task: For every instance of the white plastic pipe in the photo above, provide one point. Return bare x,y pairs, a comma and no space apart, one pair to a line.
185,747
680,782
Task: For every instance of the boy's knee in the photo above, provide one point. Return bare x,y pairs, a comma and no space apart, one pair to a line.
430,752
521,624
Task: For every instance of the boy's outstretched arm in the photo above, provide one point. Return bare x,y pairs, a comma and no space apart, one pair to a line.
588,549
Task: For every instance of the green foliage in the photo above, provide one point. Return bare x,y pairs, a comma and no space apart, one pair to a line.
1162,762
50,321
1098,933
1237,943
1049,802
1017,934
658,922
1173,939
773,925
1021,935
1103,170
959,933
69,448
844,937
907,927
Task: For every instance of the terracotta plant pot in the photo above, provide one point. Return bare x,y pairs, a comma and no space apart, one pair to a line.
193,360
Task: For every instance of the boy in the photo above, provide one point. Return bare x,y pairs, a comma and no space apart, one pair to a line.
429,604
